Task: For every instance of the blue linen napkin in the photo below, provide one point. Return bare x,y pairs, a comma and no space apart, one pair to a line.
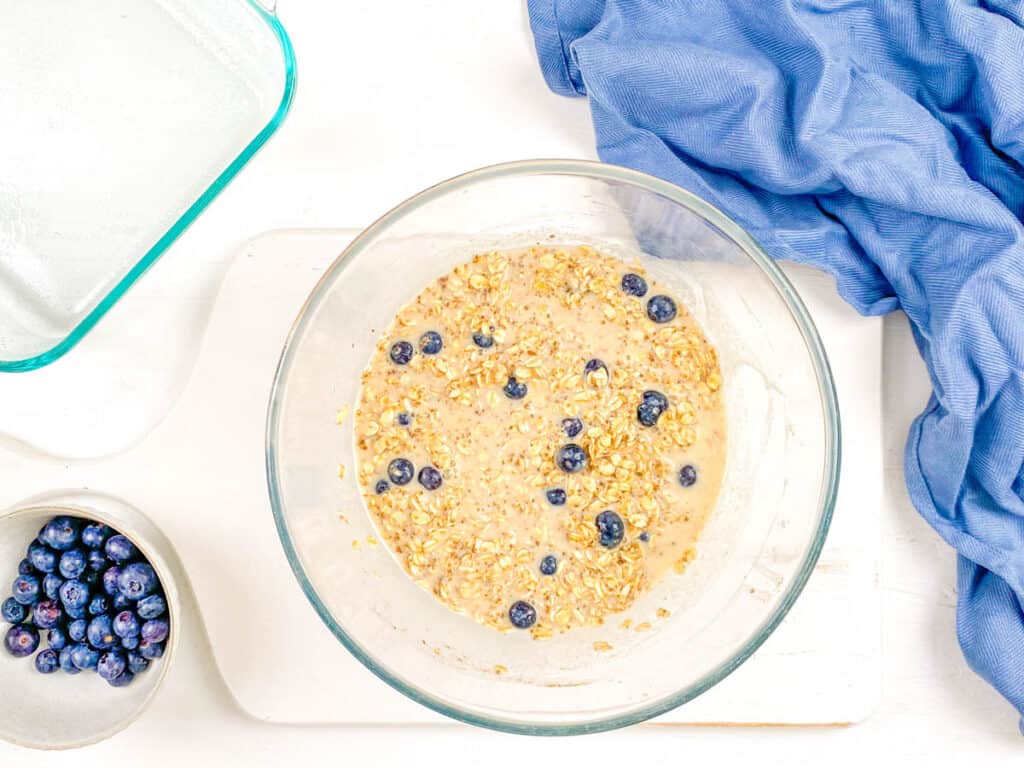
882,142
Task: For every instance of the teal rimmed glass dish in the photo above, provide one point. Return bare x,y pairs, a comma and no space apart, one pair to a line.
761,542
123,120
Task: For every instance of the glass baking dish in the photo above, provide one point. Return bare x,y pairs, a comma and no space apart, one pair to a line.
121,121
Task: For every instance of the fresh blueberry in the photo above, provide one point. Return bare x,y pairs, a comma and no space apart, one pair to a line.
404,419
95,535
25,568
72,563
77,630
78,612
97,560
61,533
129,643
593,366
111,665
100,634
431,343
26,589
119,602
43,558
381,487
634,285
645,537
13,612
47,662
75,595
47,614
125,678
687,475
556,496
549,565
661,309
651,407
84,657
522,614
137,581
110,577
151,651
401,471
98,605
51,586
483,340
430,478
571,458
137,663
514,390
610,528
21,640
66,664
151,607
572,427
119,549
57,638
401,352
126,625
155,631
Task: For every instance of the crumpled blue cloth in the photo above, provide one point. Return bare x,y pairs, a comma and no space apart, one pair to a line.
882,141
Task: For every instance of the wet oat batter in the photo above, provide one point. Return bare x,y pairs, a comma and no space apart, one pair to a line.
541,436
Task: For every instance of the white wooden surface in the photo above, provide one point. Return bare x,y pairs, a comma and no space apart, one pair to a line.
391,98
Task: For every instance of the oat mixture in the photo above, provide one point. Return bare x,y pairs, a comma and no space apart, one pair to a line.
541,436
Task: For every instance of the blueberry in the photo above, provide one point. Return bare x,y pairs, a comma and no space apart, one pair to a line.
151,607
137,581
72,563
75,595
125,624
119,602
514,390
593,366
549,565
556,496
571,458
78,612
634,285
61,533
26,589
77,630
47,614
401,352
43,558
130,643
687,475
98,605
137,663
645,537
651,407
21,640
155,631
110,577
610,528
430,478
97,560
12,611
57,638
151,651
111,665
47,662
572,427
431,343
381,487
119,549
25,568
483,340
51,585
84,657
100,634
401,471
404,419
522,614
125,678
661,309
95,535
66,664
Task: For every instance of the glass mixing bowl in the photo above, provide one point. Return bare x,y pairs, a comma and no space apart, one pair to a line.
761,541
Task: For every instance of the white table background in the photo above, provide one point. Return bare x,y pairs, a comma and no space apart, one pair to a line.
391,98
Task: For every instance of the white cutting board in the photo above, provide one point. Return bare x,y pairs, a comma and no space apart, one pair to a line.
200,476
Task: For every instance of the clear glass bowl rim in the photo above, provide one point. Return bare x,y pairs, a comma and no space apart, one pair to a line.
826,387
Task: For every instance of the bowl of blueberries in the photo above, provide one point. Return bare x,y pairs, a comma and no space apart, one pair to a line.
87,620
